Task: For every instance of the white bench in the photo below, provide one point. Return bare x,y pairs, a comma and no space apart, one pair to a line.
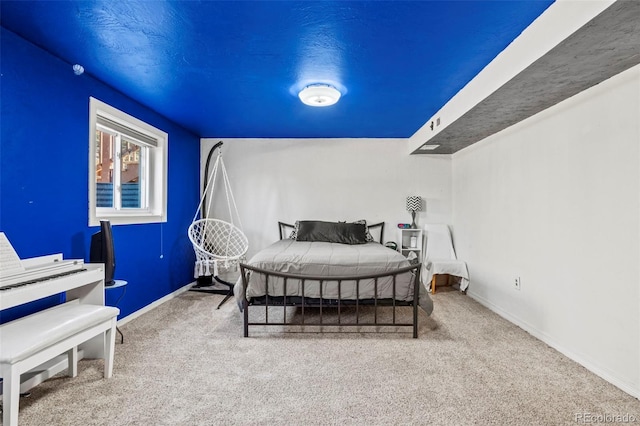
32,340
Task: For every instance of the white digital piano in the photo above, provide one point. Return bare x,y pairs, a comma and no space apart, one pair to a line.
27,280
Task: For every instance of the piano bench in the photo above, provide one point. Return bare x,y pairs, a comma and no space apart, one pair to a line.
32,340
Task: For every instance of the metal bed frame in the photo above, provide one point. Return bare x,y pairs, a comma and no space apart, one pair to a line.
319,304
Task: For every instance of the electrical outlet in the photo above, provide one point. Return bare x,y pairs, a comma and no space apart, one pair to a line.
516,283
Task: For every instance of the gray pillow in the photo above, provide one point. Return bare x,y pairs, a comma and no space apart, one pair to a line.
331,232
368,234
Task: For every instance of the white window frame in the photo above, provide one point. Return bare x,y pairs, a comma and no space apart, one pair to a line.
117,183
153,172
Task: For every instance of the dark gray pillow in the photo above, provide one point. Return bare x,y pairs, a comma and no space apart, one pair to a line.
332,232
369,236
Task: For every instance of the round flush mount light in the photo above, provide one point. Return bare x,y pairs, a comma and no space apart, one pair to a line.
319,95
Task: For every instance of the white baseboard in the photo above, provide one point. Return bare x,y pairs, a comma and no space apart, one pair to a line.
580,359
155,304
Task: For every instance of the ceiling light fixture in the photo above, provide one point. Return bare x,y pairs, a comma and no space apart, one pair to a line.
319,95
428,147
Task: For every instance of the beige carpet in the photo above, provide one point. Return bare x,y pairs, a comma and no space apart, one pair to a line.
185,363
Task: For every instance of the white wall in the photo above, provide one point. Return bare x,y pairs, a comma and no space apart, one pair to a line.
330,179
555,200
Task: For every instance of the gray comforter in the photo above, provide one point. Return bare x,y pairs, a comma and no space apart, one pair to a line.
327,260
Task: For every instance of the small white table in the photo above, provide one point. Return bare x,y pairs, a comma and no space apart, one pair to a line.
411,241
122,284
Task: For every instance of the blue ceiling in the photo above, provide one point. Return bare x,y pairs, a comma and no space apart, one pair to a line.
233,68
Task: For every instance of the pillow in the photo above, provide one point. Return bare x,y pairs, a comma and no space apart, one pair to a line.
294,233
368,234
331,232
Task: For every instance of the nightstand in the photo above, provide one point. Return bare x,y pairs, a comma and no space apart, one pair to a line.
122,285
411,241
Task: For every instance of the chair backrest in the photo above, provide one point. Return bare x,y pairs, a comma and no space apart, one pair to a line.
217,239
439,244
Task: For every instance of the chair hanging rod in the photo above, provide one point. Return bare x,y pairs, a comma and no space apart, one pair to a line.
206,176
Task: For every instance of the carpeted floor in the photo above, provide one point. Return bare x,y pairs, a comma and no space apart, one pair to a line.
185,363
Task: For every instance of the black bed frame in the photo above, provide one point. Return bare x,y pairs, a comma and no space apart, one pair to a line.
319,304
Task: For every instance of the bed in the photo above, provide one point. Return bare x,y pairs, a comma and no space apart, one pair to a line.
327,268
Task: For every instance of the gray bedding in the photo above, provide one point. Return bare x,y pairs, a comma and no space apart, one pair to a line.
327,260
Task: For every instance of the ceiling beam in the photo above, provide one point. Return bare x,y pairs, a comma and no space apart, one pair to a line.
569,48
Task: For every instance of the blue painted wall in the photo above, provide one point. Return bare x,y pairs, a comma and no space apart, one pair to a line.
44,182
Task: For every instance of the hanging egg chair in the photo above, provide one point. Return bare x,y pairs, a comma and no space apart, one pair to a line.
219,245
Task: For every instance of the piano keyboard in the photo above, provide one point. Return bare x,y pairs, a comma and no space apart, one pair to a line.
37,280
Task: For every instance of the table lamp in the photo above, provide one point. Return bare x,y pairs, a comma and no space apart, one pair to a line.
414,204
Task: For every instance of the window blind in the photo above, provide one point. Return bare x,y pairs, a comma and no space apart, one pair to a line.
127,131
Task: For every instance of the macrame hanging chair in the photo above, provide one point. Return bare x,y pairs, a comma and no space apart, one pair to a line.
219,245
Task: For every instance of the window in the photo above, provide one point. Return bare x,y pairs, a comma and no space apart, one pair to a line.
127,168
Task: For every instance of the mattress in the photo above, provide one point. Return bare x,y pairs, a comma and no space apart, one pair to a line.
331,260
